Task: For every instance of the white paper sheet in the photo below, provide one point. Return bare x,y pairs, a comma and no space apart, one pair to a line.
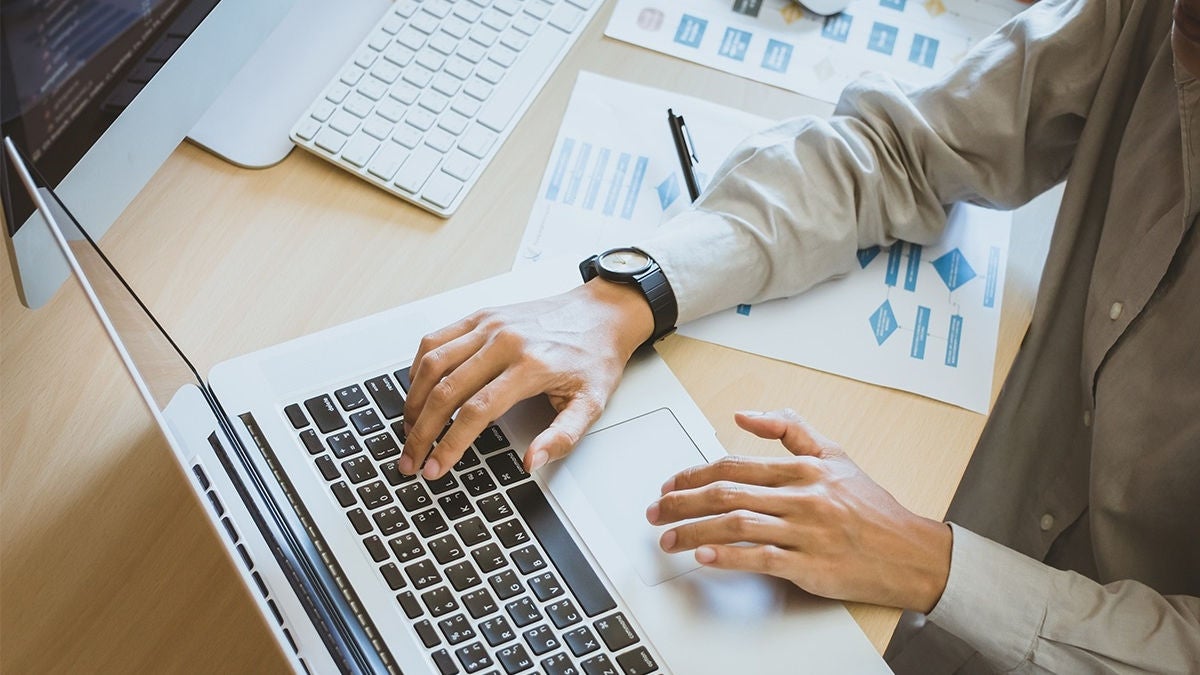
777,42
920,319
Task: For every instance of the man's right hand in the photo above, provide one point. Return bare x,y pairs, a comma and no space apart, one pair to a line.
571,347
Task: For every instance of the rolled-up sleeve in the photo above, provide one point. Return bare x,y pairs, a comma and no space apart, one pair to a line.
791,205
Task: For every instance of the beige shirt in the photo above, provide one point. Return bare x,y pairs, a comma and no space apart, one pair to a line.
1077,522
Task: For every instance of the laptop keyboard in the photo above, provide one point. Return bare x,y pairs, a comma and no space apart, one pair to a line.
482,566
434,90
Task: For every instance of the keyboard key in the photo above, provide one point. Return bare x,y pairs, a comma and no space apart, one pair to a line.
351,398
522,77
442,189
367,57
454,124
391,574
578,574
386,396
545,586
444,662
503,56
391,472
327,468
472,531
490,72
494,507
496,630
471,51
456,505
343,444
366,421
468,460
494,19
538,9
558,664
359,469
515,39
473,657
446,549
379,40
439,601
637,662
321,110
418,76
429,523
514,658
616,632
407,136
414,172
541,639
337,92
443,484
373,88
491,440
506,584
376,548
458,67
427,634
323,412
331,141
509,7
411,37
599,665
456,629
478,89
359,150
563,613
344,122
566,17
374,495
489,558
406,547
390,110
528,559
296,416
581,641
378,128
382,446
413,496
431,60
344,495
467,12
526,24
399,55
462,575
424,22
523,612
357,105
351,75
387,161
408,602
358,518
480,603
439,139
423,574
507,467
511,533
312,442
390,521
465,106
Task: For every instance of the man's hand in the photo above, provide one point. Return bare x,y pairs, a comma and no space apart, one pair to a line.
814,519
572,347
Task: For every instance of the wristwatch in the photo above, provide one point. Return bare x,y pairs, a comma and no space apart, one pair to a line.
634,266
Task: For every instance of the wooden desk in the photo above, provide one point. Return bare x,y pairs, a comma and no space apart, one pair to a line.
108,566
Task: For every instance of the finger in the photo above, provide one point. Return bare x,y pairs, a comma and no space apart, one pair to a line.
713,499
731,528
765,471
486,406
787,427
762,559
565,432
433,364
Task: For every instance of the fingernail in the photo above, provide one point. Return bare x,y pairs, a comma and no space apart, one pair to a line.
705,555
668,540
652,513
667,486
751,413
406,465
539,459
432,469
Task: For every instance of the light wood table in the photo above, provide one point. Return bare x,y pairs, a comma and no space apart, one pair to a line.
108,566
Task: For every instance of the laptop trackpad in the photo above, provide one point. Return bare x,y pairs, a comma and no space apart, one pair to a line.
620,469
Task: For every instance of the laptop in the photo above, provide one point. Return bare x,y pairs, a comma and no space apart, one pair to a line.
357,568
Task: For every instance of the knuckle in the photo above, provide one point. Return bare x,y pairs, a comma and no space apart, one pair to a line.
771,558
742,522
727,494
475,409
427,344
442,393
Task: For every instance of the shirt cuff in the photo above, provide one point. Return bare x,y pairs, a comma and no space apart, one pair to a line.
995,599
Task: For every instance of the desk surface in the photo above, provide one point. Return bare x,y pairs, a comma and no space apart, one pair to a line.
109,566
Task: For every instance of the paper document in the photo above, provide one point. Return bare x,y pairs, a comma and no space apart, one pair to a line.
777,42
922,319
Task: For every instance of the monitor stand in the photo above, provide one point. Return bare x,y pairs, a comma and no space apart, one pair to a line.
249,122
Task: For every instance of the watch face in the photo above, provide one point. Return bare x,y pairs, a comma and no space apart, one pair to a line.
624,261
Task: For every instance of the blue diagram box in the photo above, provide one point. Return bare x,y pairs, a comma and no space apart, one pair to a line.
748,7
734,44
777,56
560,169
668,191
635,187
744,310
893,4
883,38
993,278
618,179
866,255
585,153
953,340
920,332
593,190
837,27
895,255
691,30
924,50
914,267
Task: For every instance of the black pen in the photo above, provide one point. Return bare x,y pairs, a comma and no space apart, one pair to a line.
687,151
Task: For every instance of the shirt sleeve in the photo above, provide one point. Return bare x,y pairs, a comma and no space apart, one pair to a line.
791,205
1060,621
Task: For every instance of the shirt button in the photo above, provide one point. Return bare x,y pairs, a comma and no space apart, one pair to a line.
1046,522
1114,312
1087,418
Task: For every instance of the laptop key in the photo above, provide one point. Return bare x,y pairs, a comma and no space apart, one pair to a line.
637,662
296,416
387,396
376,548
511,533
528,559
439,601
429,523
344,495
408,603
541,639
563,613
546,586
404,378
558,664
506,584
456,629
480,603
366,421
351,398
469,459
390,521
444,662
489,558
514,658
413,496
374,495
462,576
423,574
391,574
456,505
473,657
599,665
581,641
443,484
359,469
523,612
324,413
382,446
343,444
494,507
427,634
398,430
477,481
496,630
575,569
391,472
312,442
446,549
327,468
491,440
616,632
358,519
507,467
406,547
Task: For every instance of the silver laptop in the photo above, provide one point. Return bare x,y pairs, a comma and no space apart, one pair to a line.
291,451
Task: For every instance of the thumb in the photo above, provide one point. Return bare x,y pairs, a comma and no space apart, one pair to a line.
564,432
789,428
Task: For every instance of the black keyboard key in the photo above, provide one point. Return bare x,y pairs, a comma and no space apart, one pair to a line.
541,639
390,521
489,558
637,662
478,482
514,658
398,430
558,664
402,376
423,574
523,612
491,440
462,576
216,502
429,523
616,631
473,657
366,422
480,603
351,398
344,495
359,520
392,473
528,559
444,662
456,505
599,665
391,574
408,602
414,496
511,533
456,629
446,549
581,641
545,586
387,397
327,468
496,630
507,467
296,416
323,412
495,507
469,459
427,634
382,446
312,442
376,548
563,613
578,574
406,547
359,469
443,484
343,444
439,601
506,584
472,532
374,495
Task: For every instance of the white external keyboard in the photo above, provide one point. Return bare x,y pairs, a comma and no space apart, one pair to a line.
434,90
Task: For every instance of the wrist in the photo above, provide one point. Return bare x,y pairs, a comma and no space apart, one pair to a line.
934,540
629,314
